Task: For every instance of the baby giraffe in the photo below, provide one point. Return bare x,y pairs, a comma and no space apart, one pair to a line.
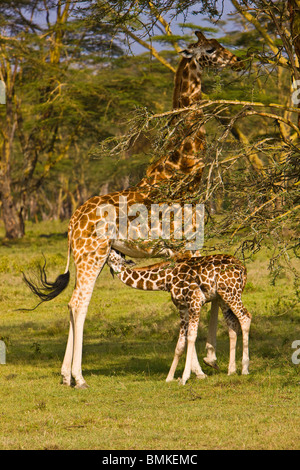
192,283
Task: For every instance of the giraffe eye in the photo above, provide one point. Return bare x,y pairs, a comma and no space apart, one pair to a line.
210,51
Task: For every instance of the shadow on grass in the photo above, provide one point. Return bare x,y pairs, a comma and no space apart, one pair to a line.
54,236
270,347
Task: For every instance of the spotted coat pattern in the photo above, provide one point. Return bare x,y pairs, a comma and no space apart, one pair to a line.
192,283
89,251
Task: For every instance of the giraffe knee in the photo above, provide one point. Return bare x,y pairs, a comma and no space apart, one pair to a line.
192,336
246,321
180,348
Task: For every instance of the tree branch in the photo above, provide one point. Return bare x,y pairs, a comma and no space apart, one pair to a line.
165,25
149,47
282,61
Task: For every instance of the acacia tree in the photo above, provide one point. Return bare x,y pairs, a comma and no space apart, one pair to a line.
43,46
264,206
258,180
41,58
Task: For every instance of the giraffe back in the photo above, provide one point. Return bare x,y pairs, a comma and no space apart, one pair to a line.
211,274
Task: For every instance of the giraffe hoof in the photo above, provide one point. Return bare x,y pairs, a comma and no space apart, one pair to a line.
169,379
212,364
66,382
81,386
201,376
182,381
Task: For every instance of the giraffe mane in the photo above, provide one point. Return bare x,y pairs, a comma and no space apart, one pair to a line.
177,82
153,266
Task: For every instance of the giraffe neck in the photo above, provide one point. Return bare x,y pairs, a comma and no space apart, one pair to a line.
186,148
187,93
152,278
187,88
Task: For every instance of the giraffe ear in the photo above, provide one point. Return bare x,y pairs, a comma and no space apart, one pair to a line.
186,53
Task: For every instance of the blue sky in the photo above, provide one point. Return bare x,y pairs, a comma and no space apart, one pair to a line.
200,20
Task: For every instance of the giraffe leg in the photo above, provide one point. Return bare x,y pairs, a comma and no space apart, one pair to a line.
211,343
180,344
191,338
242,320
71,366
78,305
233,329
79,313
245,325
196,302
196,368
232,350
67,362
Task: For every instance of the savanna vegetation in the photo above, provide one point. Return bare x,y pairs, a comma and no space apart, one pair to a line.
88,99
129,343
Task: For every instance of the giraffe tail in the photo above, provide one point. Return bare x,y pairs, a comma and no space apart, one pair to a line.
44,289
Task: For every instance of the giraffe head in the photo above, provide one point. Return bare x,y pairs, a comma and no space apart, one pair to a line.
210,53
116,261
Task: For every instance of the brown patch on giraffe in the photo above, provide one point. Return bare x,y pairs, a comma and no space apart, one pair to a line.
187,147
140,284
83,221
77,233
130,282
160,283
185,101
148,285
174,158
184,268
185,74
205,286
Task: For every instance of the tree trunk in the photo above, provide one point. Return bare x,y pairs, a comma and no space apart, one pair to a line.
13,220
294,10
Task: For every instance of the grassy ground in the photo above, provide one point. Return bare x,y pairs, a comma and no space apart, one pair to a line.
128,347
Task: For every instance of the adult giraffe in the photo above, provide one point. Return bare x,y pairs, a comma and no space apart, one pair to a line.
90,251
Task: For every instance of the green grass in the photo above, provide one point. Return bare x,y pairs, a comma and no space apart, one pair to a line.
129,341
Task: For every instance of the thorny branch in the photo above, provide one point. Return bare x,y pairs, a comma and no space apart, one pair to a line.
241,203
